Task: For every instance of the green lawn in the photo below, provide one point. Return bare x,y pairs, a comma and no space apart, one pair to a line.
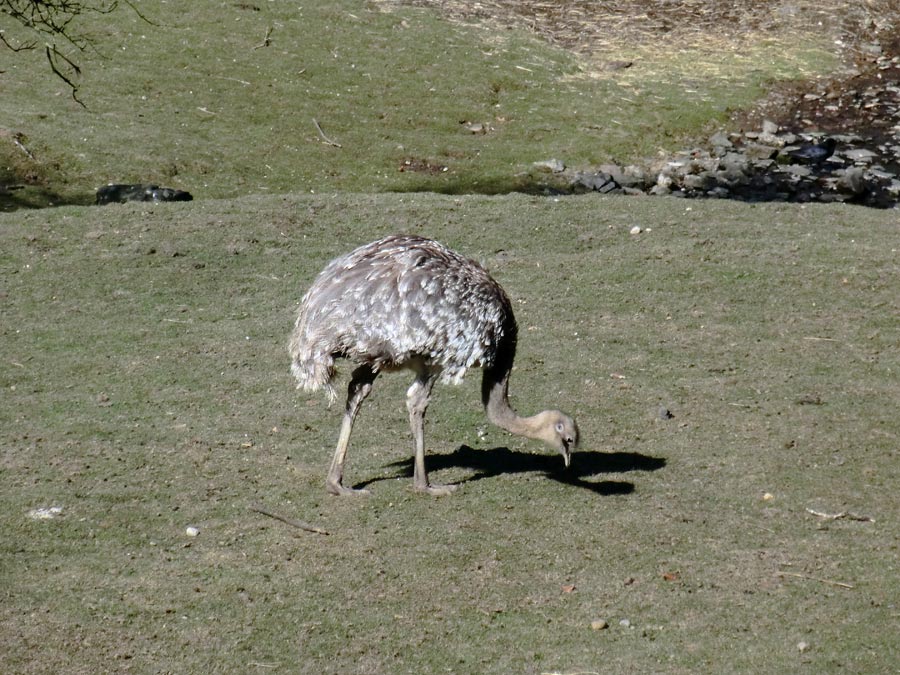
146,390
202,100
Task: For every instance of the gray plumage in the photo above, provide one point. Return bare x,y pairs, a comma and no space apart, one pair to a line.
408,302
397,299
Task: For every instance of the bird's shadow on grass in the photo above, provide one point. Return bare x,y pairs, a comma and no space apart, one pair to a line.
497,461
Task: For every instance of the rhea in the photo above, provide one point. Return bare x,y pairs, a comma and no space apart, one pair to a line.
405,302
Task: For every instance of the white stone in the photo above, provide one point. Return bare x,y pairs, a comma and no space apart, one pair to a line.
45,513
859,154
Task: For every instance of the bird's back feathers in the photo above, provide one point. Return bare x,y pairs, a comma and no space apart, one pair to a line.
402,301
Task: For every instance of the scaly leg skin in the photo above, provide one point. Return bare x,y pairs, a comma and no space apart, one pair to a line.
359,387
417,403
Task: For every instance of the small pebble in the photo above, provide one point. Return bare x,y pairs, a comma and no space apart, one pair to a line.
45,513
625,623
636,229
599,624
802,647
192,531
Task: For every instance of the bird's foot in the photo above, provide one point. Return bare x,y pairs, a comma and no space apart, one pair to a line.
342,491
435,490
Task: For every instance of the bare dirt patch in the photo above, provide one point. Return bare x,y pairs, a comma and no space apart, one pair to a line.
585,26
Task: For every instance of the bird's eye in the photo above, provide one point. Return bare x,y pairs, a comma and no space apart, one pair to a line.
559,427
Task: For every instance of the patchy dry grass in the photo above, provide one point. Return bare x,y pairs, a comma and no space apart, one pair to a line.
145,390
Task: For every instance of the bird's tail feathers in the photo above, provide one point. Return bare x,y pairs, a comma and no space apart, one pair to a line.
313,374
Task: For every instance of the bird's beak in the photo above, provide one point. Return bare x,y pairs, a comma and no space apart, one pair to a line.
567,455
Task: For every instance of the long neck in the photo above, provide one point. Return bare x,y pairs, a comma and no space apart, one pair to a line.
495,396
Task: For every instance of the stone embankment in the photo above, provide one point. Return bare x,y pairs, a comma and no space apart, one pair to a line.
764,165
838,142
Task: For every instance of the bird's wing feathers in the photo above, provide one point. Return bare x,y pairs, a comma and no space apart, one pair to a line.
405,298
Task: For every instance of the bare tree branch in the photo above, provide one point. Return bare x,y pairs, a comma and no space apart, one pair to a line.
56,20
57,59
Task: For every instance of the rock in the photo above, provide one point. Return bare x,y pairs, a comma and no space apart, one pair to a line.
598,182
797,170
599,624
614,171
766,165
802,647
771,140
894,189
759,151
876,172
859,155
872,48
852,180
45,513
554,165
625,623
119,194
720,140
192,531
734,166
633,176
761,165
637,229
702,181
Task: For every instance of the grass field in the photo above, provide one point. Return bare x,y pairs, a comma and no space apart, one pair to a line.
220,99
146,390
733,368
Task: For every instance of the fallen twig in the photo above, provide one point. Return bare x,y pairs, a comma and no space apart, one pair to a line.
233,79
21,146
819,579
290,521
266,40
843,514
325,138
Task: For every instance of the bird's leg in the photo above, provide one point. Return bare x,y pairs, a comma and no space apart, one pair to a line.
417,403
359,387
